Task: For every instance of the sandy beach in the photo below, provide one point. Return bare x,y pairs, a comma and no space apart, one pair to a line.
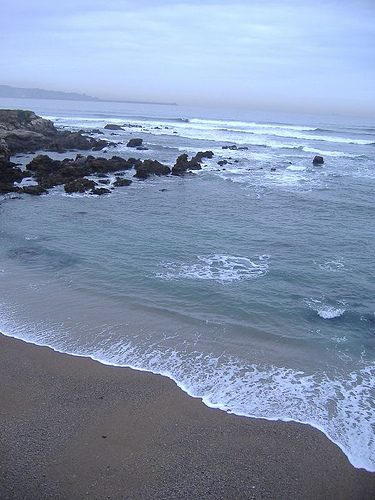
72,428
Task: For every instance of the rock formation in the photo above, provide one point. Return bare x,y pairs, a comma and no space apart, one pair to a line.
25,132
183,164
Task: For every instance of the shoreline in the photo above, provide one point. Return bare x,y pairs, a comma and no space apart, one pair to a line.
75,428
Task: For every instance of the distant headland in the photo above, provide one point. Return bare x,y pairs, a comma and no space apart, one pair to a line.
35,93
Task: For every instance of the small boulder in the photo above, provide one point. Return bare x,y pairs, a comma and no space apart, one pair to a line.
318,160
134,143
222,162
120,182
112,126
100,191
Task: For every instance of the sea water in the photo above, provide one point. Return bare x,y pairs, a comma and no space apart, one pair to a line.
250,284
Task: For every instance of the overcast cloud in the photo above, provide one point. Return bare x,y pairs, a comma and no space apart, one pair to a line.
315,55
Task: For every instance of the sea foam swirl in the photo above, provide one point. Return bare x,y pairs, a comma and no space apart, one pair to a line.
222,268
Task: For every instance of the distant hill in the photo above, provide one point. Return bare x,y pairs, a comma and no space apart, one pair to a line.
26,93
18,92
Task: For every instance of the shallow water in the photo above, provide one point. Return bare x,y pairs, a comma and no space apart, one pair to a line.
252,288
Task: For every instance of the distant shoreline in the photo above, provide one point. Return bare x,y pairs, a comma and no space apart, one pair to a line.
8,92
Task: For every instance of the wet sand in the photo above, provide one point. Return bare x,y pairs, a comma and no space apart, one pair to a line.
72,428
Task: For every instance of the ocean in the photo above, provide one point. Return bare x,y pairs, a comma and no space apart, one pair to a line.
250,283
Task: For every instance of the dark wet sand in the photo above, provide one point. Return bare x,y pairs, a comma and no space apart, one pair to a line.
72,429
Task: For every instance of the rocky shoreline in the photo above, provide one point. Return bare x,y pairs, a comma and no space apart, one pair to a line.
25,132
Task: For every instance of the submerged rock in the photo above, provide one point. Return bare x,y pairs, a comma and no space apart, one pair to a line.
42,257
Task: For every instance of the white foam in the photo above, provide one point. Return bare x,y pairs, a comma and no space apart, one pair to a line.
296,168
222,268
326,309
329,312
333,154
333,266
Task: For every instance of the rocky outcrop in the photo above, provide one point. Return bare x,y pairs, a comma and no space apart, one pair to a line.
25,132
151,167
183,164
318,160
49,173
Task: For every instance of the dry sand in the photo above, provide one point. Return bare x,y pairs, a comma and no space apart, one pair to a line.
72,429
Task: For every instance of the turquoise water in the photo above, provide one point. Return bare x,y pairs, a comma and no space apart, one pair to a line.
251,287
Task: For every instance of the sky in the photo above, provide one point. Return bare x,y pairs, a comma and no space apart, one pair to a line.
308,55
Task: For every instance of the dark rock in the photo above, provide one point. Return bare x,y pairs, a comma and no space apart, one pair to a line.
222,162
9,188
122,182
100,191
233,147
151,167
142,148
273,169
4,152
135,162
318,160
112,126
34,190
79,186
10,173
183,164
134,143
100,145
202,154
